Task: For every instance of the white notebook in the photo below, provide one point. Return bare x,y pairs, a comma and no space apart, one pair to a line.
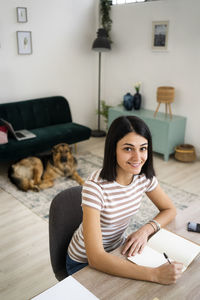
177,249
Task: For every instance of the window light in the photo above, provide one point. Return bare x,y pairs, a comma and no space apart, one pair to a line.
126,1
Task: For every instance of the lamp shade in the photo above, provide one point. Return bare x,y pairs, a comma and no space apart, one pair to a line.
102,42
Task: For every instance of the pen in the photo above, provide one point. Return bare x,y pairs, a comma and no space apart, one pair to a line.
165,255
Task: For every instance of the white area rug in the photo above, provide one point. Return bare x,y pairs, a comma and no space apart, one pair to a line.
39,202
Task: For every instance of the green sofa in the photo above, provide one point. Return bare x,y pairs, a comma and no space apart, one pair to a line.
49,118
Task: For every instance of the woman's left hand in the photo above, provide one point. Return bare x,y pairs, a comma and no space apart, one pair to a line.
136,242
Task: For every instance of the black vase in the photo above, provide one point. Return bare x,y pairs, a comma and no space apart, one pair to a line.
137,99
128,101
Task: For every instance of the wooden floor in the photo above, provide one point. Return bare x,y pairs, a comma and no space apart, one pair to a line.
25,269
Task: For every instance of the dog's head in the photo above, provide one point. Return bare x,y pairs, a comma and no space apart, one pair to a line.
62,154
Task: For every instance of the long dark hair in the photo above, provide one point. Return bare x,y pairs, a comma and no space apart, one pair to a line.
118,129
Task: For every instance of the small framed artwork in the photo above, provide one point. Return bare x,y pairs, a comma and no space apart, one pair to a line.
22,14
160,35
24,42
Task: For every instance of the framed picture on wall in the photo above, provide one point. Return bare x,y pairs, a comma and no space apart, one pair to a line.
22,14
160,35
24,42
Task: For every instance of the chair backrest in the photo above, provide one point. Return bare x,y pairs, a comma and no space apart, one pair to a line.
65,216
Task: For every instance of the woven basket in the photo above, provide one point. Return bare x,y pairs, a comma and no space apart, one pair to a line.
185,153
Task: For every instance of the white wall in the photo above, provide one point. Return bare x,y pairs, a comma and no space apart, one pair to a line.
62,62
132,58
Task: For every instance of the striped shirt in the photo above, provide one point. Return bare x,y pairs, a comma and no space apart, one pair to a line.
116,203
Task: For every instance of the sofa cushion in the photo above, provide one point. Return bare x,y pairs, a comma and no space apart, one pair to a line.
36,113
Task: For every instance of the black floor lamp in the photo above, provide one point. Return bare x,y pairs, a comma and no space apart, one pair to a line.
100,44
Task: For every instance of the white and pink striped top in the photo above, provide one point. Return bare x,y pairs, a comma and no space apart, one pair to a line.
116,203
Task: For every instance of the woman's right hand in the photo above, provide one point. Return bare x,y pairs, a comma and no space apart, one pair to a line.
168,273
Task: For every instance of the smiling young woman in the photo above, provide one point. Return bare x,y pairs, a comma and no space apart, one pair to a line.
131,152
111,196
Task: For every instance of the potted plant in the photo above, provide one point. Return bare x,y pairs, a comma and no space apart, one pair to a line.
104,111
104,15
137,86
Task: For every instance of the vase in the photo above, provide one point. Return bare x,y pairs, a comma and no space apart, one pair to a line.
137,99
128,101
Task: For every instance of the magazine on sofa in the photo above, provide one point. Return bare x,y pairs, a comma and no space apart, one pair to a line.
20,135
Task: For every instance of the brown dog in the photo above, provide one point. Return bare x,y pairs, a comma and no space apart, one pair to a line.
29,172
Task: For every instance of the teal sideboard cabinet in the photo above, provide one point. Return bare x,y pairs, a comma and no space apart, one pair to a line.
166,133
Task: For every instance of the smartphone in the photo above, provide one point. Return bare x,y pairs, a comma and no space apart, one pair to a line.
191,226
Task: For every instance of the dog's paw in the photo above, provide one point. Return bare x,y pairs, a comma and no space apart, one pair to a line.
36,188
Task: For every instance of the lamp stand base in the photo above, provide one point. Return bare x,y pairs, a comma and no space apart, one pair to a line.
98,133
